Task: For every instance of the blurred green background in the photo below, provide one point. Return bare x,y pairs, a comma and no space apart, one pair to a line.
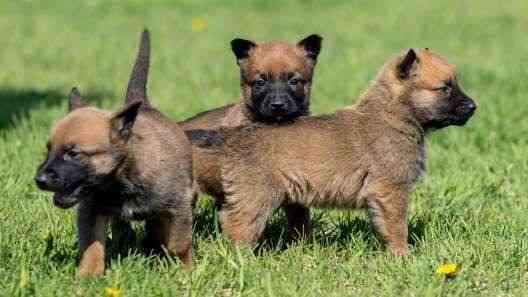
470,209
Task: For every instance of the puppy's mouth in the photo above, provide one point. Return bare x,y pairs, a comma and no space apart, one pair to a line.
279,116
461,120
67,199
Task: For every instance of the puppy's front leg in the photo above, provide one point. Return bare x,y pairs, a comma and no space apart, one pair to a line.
173,232
388,210
92,236
178,235
123,235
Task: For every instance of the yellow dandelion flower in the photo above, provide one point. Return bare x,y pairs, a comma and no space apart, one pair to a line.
448,270
113,292
198,24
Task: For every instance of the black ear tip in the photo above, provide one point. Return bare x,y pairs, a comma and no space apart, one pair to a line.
136,104
234,42
315,37
75,92
239,42
241,47
75,100
130,109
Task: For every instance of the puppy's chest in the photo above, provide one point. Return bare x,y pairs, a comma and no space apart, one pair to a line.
129,203
419,165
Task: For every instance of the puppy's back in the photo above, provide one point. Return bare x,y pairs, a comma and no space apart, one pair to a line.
160,145
316,159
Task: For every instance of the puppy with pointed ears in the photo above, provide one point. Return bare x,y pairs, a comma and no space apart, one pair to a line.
134,164
364,156
276,80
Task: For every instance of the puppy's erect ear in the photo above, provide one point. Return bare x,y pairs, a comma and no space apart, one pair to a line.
123,121
241,48
75,100
312,46
406,65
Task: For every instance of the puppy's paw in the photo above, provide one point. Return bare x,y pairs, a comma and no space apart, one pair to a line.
94,270
400,251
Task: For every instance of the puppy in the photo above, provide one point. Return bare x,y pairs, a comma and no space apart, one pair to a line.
276,80
134,164
364,156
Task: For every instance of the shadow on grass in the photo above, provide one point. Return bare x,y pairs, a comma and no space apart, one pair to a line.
340,231
206,220
16,103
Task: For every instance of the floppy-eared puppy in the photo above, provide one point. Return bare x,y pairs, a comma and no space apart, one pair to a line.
134,164
276,80
365,156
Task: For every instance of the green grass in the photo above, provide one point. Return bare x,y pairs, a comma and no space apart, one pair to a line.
470,209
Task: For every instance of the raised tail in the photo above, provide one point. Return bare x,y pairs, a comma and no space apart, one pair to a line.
137,85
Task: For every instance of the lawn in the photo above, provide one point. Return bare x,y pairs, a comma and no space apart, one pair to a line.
470,209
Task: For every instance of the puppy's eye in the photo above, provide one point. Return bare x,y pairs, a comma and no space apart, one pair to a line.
294,81
444,89
259,83
71,155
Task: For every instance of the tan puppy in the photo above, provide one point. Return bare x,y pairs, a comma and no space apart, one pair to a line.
364,156
131,165
276,80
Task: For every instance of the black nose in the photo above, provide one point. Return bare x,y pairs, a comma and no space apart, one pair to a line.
41,180
277,105
471,107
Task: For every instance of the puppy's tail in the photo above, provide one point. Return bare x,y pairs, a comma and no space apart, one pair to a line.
137,85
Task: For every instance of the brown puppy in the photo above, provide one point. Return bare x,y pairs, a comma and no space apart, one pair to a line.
364,156
133,165
276,80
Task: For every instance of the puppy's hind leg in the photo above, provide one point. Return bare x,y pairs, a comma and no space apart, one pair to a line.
92,236
243,219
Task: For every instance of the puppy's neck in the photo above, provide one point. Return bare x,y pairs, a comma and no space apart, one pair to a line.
380,102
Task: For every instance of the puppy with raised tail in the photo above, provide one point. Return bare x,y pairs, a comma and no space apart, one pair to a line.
134,164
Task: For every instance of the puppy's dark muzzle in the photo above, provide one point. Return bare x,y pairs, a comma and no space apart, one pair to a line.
278,108
46,182
278,105
465,111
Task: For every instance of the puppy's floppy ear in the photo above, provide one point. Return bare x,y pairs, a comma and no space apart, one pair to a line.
312,46
123,121
241,48
75,100
405,67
